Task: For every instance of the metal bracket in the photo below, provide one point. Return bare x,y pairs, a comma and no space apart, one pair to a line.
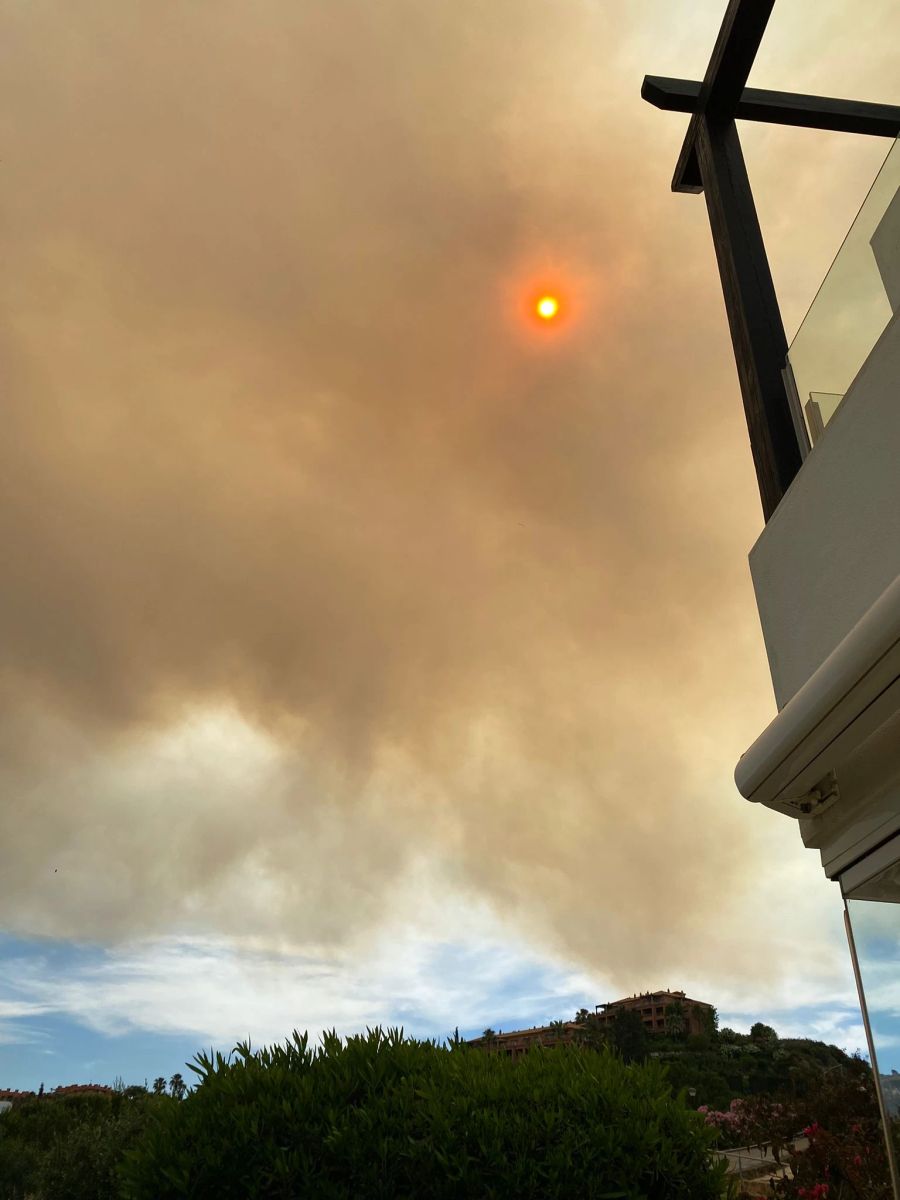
816,801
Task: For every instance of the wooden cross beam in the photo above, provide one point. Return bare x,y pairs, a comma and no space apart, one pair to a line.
711,161
739,37
781,108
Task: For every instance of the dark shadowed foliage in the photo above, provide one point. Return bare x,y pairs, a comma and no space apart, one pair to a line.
383,1117
69,1147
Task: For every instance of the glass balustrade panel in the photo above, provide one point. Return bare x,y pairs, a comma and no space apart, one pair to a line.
858,300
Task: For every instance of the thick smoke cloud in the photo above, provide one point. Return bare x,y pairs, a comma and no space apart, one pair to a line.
279,444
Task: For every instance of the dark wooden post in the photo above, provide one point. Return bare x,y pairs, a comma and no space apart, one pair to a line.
757,332
711,162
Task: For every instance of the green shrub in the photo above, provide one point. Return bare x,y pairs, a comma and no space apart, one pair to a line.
83,1165
20,1159
385,1118
69,1147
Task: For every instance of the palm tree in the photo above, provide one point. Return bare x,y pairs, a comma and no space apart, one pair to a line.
159,1086
177,1086
558,1030
590,1029
676,1019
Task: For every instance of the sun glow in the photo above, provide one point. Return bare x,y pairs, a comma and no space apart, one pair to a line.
545,303
547,308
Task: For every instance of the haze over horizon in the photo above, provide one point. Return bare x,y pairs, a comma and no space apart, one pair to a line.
369,653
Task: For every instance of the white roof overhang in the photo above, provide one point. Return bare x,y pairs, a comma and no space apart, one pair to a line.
852,695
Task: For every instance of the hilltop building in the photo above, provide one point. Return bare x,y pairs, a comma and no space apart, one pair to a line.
10,1096
652,1007
514,1044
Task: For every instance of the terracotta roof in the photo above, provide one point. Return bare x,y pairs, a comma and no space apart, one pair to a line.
71,1089
534,1031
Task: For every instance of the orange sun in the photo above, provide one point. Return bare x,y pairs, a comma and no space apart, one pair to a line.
547,308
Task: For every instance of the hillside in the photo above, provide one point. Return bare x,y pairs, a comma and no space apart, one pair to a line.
719,1065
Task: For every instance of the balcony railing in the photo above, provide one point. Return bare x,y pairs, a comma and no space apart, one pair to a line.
858,299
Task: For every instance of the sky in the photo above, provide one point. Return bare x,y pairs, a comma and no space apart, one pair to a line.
372,652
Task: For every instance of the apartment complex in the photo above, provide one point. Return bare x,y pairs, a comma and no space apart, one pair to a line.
661,1012
514,1044
10,1096
654,1008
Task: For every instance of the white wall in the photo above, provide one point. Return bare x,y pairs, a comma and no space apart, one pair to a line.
833,544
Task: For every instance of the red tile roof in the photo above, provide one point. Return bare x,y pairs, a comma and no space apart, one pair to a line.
69,1089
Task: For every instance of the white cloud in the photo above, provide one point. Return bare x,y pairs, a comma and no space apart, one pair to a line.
220,990
438,960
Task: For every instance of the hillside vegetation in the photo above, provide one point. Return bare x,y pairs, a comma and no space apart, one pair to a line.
719,1066
383,1117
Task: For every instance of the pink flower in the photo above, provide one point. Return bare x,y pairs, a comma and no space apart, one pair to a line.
818,1191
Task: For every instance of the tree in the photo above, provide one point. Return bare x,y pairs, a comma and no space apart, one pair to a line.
177,1086
763,1035
676,1019
558,1030
159,1086
729,1037
710,1020
591,1031
629,1037
582,1016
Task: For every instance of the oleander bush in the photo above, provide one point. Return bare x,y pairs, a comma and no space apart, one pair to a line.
845,1156
382,1117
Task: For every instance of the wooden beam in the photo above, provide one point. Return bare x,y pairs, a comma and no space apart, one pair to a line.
757,333
732,58
781,108
739,37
